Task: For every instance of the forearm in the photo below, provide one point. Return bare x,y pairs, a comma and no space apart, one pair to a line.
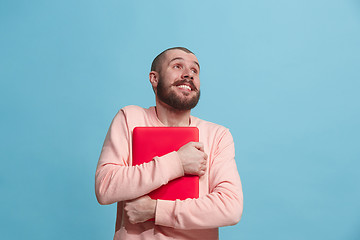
222,207
114,182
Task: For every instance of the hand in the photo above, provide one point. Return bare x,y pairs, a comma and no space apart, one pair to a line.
140,209
193,158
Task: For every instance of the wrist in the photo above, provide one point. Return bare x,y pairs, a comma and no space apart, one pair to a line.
180,163
153,207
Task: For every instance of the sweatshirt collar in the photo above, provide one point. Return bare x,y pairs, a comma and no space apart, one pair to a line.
158,123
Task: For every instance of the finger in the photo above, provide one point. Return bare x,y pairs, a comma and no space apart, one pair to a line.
199,146
132,221
205,156
203,167
146,197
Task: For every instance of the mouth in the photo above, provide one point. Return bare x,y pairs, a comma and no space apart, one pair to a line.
186,85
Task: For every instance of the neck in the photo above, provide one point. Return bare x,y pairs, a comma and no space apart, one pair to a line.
172,117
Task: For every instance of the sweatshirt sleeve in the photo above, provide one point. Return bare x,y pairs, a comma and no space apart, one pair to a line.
223,206
116,180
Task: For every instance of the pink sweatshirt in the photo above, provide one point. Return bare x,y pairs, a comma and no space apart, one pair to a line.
220,201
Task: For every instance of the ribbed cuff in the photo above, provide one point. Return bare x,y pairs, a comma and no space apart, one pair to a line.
165,213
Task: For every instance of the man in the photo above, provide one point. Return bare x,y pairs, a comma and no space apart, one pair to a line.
175,80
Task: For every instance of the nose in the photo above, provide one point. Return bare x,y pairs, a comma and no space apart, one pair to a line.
188,74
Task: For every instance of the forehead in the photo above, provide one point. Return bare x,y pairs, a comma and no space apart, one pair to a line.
180,55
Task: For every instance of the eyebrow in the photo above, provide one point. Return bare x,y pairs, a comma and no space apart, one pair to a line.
180,58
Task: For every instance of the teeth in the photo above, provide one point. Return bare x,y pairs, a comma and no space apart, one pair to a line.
185,87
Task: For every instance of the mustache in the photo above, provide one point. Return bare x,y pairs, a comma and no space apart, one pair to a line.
179,82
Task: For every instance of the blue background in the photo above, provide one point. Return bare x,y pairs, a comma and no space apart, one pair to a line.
283,76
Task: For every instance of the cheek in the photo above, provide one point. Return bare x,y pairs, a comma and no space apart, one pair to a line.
170,77
197,83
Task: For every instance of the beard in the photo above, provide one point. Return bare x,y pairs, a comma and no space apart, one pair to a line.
168,96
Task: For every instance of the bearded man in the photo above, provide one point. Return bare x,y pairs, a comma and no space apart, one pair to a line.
175,80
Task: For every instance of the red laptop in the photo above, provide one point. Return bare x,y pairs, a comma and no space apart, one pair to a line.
149,142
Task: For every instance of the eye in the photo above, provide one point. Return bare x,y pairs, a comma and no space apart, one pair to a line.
194,70
177,66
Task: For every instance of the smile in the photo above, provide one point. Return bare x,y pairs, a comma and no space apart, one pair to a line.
184,87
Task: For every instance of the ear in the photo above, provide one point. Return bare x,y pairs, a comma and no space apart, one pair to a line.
154,78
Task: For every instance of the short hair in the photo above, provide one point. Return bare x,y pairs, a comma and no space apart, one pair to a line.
155,66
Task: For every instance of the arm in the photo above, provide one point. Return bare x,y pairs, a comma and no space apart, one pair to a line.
221,207
193,159
116,180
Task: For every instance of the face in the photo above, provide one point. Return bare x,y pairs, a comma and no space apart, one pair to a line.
178,80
